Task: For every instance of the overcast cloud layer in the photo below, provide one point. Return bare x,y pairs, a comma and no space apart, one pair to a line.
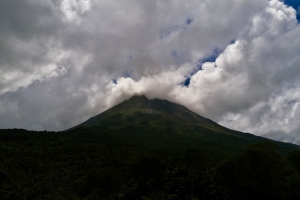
63,61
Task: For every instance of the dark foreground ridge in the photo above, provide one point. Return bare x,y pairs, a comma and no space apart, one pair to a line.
146,149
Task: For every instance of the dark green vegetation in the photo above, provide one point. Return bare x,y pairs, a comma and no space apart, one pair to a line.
146,149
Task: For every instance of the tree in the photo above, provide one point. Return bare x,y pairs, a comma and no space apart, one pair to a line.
102,182
294,158
194,158
259,172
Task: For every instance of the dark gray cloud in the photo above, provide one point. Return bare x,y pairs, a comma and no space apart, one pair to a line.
58,59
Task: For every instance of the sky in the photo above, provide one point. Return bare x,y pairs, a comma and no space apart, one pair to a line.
236,62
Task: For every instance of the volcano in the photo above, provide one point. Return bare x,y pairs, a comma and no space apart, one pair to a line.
144,122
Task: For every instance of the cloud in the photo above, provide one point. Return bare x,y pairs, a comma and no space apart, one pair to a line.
62,62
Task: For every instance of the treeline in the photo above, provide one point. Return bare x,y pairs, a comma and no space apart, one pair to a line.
58,168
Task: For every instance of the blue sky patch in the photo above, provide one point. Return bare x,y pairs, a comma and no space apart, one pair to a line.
232,42
187,82
211,57
296,5
114,81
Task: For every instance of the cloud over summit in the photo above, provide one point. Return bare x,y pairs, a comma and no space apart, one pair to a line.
58,60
